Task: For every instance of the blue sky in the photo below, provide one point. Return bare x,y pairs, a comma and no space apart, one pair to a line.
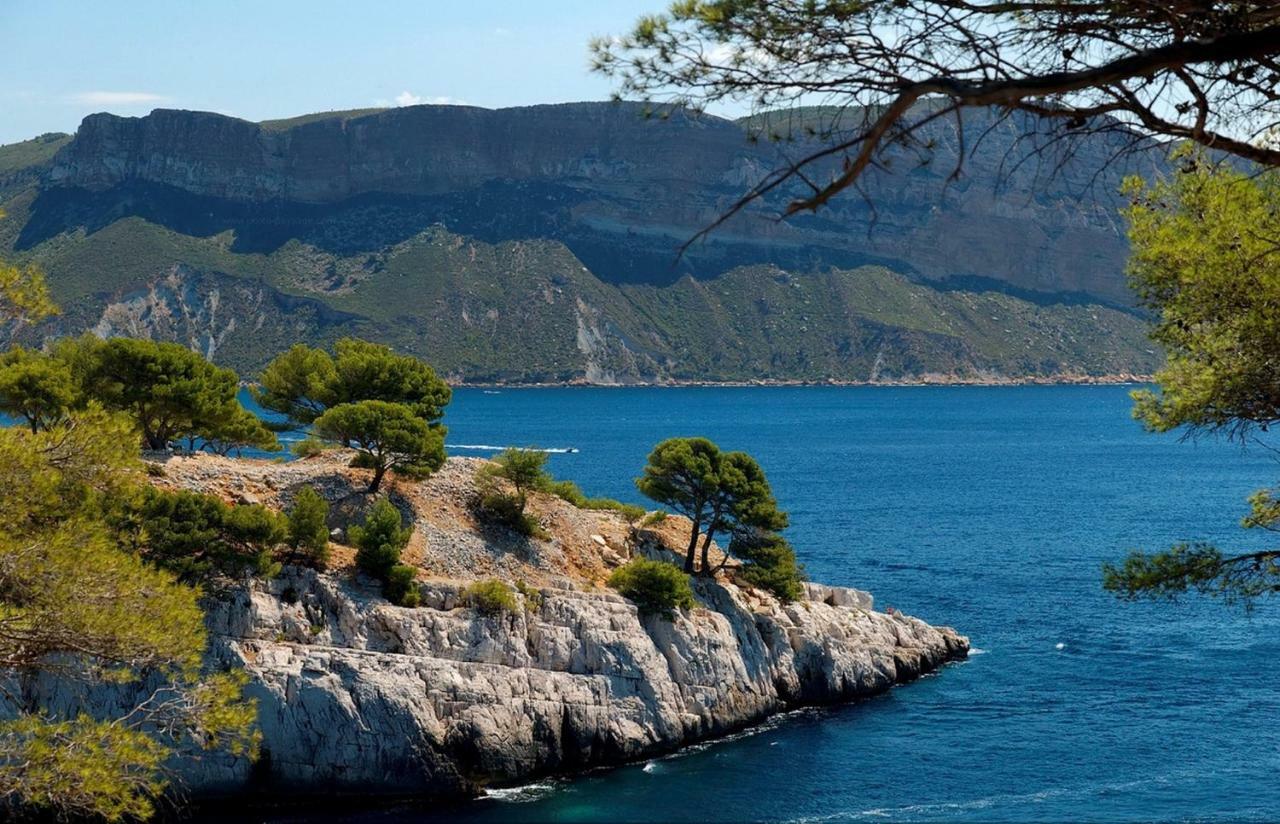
276,58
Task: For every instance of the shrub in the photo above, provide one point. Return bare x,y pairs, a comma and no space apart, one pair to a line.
570,492
630,512
506,510
198,536
490,597
567,491
380,539
769,563
654,518
309,447
524,469
532,596
401,587
308,532
656,587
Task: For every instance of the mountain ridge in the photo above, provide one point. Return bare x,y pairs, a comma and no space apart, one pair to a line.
537,245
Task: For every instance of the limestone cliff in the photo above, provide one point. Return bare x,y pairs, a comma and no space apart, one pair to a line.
619,188
359,696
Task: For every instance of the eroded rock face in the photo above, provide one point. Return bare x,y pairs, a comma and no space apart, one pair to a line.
361,696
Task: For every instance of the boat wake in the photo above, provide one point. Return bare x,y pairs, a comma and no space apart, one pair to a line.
484,447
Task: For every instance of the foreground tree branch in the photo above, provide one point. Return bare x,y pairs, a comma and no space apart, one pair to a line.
1203,71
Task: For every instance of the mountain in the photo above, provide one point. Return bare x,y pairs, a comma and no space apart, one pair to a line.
539,244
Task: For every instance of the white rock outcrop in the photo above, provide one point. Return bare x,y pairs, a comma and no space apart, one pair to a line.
358,695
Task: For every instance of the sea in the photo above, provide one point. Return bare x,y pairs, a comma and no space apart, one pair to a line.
989,509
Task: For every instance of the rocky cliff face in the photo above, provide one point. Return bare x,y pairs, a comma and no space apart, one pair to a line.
359,696
538,245
620,189
356,695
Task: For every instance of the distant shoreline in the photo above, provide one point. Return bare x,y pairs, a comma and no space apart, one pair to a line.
1090,380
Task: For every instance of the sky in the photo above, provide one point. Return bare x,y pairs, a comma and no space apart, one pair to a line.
64,59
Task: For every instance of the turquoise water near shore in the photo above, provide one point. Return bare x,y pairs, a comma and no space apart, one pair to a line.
989,509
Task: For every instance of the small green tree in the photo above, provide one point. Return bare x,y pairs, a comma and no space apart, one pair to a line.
769,562
232,427
524,469
36,387
198,536
401,586
308,531
684,474
656,587
717,491
388,436
380,540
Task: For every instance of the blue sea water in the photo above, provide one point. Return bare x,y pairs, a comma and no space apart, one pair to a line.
988,509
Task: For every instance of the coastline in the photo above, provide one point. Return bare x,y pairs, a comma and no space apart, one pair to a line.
927,381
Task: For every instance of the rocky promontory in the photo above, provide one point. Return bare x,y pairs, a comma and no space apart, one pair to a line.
356,695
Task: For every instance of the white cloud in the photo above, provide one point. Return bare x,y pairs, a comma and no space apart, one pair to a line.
411,99
100,98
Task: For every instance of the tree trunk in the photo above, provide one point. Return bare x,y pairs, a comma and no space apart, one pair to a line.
693,548
706,560
378,472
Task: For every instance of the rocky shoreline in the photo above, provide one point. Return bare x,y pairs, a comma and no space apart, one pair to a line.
360,697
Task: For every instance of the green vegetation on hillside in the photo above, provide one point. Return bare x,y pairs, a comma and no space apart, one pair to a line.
530,311
173,395
379,542
15,157
79,602
656,587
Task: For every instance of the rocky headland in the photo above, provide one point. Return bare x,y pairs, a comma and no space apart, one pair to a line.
357,696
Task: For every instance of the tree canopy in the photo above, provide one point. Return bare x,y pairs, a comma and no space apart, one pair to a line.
1200,70
380,539
1205,261
388,436
717,491
303,382
171,393
366,397
36,387
198,536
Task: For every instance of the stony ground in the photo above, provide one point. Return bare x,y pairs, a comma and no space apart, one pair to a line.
449,542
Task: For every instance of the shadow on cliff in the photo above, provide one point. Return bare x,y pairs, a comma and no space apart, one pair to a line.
494,213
